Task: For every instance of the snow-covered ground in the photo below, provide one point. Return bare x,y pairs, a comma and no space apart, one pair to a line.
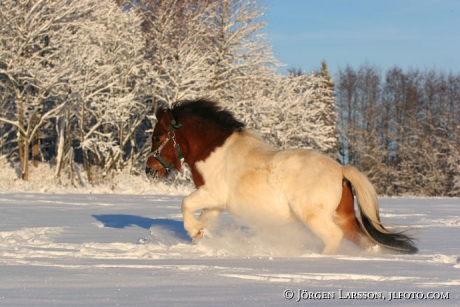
131,250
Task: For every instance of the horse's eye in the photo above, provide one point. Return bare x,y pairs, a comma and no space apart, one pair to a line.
157,139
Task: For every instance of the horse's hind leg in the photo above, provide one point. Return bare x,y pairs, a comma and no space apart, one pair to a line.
318,214
324,227
346,219
316,209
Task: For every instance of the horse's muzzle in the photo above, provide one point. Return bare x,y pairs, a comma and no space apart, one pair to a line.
151,173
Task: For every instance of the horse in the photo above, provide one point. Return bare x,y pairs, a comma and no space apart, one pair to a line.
234,170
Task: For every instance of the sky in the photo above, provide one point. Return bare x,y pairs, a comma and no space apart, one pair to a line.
418,34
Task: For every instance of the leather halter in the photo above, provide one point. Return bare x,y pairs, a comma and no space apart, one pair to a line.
171,136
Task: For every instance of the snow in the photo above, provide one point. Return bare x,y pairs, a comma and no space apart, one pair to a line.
131,250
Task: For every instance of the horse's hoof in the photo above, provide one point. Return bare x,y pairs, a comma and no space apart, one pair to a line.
199,235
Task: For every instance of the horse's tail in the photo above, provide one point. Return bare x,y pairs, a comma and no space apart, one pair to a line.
369,220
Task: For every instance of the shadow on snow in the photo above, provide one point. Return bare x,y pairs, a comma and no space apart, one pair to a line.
120,221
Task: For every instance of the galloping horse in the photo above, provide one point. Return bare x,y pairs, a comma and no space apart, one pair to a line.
234,170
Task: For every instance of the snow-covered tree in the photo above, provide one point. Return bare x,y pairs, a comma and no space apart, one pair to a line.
330,110
177,46
86,57
241,57
291,112
108,85
35,39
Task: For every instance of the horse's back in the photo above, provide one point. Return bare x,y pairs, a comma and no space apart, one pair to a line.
249,144
308,177
287,169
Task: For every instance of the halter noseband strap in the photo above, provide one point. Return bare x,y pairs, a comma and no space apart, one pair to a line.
171,136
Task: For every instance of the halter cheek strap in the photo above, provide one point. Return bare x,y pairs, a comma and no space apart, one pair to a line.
171,136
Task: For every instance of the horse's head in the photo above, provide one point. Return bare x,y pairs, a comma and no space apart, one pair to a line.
208,126
166,153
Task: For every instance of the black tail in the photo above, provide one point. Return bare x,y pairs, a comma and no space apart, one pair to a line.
397,241
369,212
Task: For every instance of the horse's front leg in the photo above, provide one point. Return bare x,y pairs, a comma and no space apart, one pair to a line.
200,199
208,216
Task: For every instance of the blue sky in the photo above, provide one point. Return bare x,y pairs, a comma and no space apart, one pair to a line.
421,34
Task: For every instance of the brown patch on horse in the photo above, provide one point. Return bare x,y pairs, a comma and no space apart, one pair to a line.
204,143
346,219
197,177
208,125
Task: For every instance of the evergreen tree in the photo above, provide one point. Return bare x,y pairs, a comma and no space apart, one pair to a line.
326,75
329,116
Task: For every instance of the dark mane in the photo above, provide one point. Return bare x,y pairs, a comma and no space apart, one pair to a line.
206,110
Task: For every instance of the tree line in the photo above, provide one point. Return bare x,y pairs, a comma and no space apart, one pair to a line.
401,128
